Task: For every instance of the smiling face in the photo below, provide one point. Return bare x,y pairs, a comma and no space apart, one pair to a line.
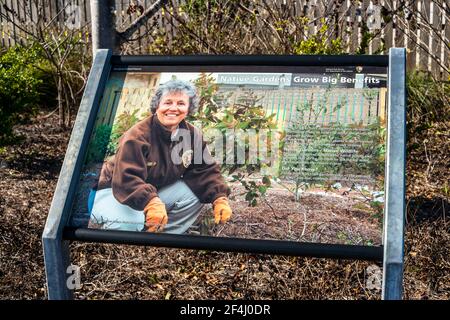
172,109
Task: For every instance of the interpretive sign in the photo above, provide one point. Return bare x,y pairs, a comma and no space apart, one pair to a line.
267,154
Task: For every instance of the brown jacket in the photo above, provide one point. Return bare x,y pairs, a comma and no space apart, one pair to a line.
143,164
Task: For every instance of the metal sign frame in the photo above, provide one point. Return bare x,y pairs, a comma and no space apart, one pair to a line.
56,236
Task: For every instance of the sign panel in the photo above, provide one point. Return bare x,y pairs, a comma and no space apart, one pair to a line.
293,155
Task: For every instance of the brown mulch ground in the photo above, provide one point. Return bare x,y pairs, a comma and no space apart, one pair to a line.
28,176
332,216
325,217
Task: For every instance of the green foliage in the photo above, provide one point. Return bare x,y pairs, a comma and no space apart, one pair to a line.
217,112
98,146
241,27
207,105
20,84
378,208
428,101
40,75
445,189
254,189
319,43
124,122
105,139
204,26
366,39
67,65
373,203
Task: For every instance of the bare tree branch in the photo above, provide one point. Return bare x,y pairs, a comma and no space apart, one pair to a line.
149,30
183,23
56,46
136,24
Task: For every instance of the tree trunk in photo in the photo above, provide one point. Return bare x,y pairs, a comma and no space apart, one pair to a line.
103,31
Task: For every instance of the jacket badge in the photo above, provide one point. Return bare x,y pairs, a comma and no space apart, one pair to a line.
187,158
151,164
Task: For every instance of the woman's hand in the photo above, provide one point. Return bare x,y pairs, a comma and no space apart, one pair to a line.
155,215
222,210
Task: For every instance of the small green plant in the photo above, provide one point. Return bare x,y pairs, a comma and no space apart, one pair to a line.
253,189
246,115
99,144
124,122
428,101
312,151
446,190
378,208
373,203
344,237
308,143
20,83
319,43
105,140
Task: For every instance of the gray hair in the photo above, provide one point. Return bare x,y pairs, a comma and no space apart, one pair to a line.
175,86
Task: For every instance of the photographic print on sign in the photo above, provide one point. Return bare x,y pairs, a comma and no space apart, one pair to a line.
295,153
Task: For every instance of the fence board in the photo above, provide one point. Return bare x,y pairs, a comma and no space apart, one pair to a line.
12,31
87,11
2,31
445,36
433,42
447,51
17,33
395,43
33,16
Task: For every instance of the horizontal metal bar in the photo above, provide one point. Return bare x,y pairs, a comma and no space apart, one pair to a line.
288,248
248,60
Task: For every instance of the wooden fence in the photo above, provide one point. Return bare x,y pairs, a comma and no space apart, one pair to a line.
419,25
321,106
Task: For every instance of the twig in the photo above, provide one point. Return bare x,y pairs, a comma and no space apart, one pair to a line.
183,23
271,208
136,24
304,224
49,115
430,165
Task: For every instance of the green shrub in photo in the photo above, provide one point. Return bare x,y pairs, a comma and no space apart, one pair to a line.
99,144
244,114
105,139
124,122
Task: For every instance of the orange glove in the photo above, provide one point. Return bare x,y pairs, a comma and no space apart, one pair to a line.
222,210
155,215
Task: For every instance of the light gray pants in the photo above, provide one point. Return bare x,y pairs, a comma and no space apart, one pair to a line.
182,206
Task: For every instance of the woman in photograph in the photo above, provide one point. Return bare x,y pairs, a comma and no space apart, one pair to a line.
162,173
